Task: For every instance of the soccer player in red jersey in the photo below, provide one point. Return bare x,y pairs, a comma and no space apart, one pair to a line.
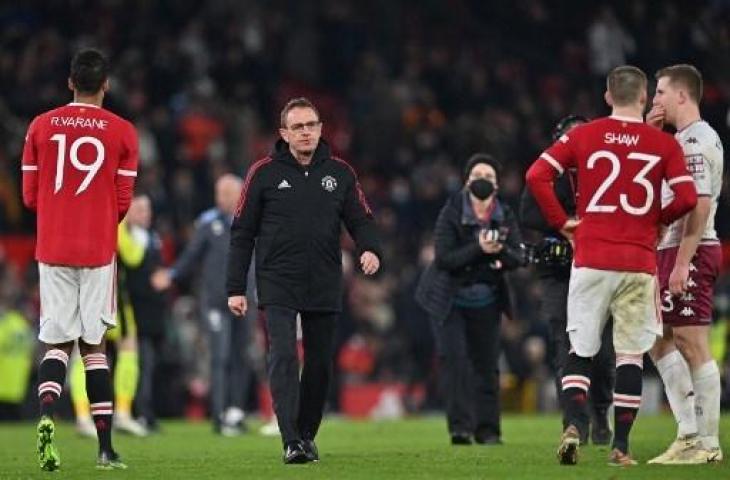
79,166
621,163
689,259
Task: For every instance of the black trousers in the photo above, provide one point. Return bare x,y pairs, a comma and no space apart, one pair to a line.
468,347
299,400
603,377
150,349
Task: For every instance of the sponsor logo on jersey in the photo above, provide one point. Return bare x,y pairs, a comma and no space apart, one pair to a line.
283,185
691,140
691,283
621,139
687,297
692,267
695,163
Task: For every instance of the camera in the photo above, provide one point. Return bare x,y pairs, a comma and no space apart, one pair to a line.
495,234
551,252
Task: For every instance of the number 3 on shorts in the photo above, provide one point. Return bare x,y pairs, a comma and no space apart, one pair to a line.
667,302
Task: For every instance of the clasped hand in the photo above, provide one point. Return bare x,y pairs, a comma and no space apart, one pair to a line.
489,242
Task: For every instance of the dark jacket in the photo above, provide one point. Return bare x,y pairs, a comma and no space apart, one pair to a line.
294,217
530,214
460,261
531,217
148,304
210,246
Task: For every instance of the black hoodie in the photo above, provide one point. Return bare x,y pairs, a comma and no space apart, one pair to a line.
293,215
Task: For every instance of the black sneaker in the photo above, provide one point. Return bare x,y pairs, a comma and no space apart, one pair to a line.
110,461
310,449
294,453
460,439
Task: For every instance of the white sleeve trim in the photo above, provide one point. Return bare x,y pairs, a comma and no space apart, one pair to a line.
681,179
126,173
555,164
29,168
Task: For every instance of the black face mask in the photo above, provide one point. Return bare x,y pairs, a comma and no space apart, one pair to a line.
481,188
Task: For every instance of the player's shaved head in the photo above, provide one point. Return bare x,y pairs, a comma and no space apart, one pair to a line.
626,85
89,71
227,191
684,76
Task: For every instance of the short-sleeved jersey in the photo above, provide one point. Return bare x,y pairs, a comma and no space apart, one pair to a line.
621,163
703,153
79,165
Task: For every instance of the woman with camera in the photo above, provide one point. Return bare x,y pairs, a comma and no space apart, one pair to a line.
477,239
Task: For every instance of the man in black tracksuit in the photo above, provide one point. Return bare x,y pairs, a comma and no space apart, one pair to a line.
292,206
553,260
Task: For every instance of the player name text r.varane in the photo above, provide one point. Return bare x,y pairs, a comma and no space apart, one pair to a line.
79,122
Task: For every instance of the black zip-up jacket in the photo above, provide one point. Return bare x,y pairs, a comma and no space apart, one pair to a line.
531,217
147,303
293,215
460,261
530,214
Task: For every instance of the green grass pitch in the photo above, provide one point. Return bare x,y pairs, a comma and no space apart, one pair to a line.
414,448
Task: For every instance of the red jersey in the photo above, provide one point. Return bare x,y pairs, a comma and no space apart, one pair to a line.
621,163
79,166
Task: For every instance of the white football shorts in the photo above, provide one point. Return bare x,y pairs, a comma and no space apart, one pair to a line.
632,298
77,302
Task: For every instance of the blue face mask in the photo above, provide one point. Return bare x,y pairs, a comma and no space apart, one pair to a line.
481,188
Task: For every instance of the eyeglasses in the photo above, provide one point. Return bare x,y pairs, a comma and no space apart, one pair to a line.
299,127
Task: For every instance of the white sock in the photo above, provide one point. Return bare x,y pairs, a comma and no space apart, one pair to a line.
706,382
678,385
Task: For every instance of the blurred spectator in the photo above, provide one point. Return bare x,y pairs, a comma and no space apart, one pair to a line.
148,304
17,344
229,336
610,44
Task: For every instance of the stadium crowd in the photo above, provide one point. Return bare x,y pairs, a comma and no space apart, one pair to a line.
406,94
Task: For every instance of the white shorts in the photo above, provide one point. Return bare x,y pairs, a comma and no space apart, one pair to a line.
77,302
632,299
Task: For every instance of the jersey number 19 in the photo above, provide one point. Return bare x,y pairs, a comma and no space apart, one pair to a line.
91,169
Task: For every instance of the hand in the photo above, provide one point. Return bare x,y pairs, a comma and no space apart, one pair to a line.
655,117
369,263
489,243
568,229
237,305
161,279
678,279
